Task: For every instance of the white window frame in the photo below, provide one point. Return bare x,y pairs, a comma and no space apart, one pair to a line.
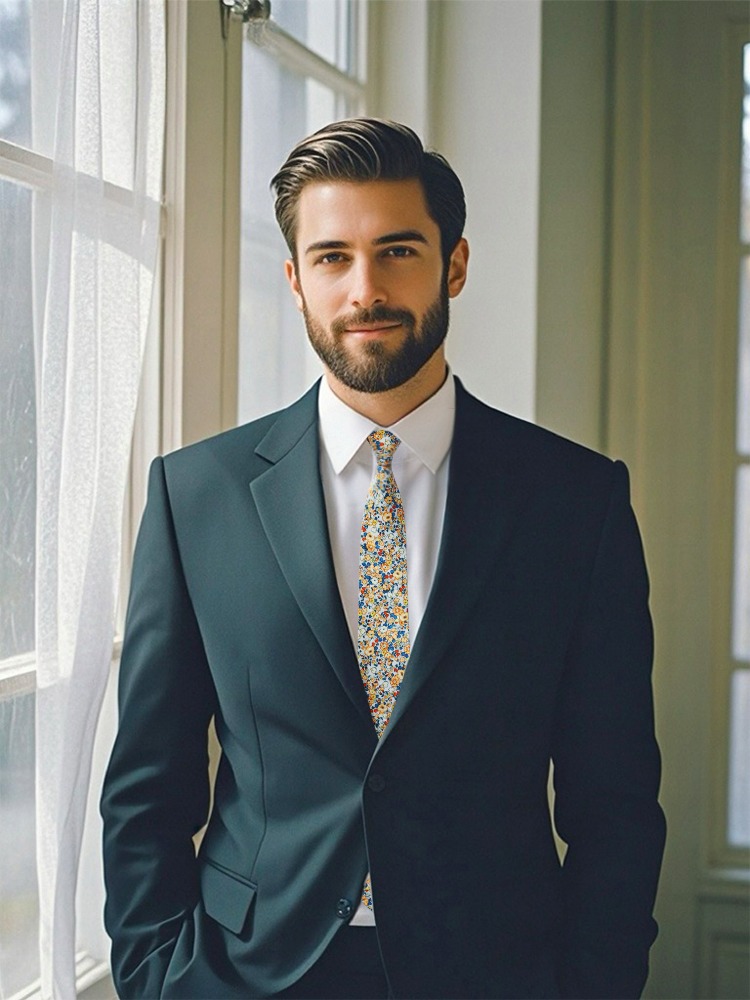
33,170
722,854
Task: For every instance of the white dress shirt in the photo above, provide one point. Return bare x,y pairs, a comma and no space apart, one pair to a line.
420,468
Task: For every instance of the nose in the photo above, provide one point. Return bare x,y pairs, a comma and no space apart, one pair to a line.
367,288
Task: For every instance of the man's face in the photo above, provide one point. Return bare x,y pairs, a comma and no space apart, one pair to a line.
370,281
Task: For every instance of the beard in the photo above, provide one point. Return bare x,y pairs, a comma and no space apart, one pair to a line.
378,367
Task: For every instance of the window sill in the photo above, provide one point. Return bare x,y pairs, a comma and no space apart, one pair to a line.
89,972
731,884
17,675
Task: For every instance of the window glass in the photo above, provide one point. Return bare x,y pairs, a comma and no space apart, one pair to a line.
29,82
17,425
325,26
19,901
279,107
741,610
31,34
738,818
19,904
15,72
743,362
739,761
19,912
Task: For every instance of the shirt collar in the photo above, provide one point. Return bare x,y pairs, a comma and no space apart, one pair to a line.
427,431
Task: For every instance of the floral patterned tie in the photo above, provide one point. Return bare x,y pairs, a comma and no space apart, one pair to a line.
383,634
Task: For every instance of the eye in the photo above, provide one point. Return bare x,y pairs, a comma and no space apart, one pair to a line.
332,257
400,252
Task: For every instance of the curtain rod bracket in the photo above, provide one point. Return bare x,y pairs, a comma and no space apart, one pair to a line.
243,10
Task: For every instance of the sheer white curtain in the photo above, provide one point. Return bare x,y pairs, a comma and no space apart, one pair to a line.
101,225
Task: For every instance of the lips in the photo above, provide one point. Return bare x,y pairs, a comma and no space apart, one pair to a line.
373,328
374,322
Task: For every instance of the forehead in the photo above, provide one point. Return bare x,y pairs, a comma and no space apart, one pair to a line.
362,210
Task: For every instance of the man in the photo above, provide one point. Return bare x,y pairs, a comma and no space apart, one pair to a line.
399,605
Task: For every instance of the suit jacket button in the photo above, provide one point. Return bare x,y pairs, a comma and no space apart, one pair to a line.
376,782
344,908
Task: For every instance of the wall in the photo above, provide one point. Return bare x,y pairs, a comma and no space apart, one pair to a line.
474,91
574,208
636,356
671,326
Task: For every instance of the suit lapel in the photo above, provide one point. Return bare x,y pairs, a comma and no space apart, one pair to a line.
487,488
488,484
290,503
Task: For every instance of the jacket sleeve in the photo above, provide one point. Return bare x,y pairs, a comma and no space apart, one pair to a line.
607,771
156,790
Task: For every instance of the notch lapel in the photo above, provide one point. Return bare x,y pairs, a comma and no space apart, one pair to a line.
488,484
290,503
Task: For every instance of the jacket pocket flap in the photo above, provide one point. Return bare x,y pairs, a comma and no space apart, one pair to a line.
227,897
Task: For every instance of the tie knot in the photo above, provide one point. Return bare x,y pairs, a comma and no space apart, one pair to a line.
384,444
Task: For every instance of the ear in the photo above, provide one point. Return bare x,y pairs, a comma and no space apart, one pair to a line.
457,267
291,276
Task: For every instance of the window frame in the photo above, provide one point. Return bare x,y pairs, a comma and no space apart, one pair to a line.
273,372
31,169
722,855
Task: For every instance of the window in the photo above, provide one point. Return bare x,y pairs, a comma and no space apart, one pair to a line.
738,819
22,183
80,186
301,70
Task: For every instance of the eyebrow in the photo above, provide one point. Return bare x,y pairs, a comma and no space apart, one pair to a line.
402,236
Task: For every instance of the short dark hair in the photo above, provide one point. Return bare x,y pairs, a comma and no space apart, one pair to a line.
368,149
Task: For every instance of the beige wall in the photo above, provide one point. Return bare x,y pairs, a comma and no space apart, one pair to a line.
574,209
485,119
466,75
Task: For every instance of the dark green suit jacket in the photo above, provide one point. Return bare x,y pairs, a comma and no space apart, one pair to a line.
536,644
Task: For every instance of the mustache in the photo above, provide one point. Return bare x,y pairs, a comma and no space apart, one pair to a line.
378,314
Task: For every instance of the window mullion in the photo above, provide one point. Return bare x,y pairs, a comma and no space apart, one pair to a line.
294,56
24,166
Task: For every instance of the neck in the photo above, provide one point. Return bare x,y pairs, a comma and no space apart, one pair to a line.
386,408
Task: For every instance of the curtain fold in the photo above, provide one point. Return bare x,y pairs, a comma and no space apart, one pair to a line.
102,218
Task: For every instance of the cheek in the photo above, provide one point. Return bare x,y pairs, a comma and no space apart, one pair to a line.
425,297
325,299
